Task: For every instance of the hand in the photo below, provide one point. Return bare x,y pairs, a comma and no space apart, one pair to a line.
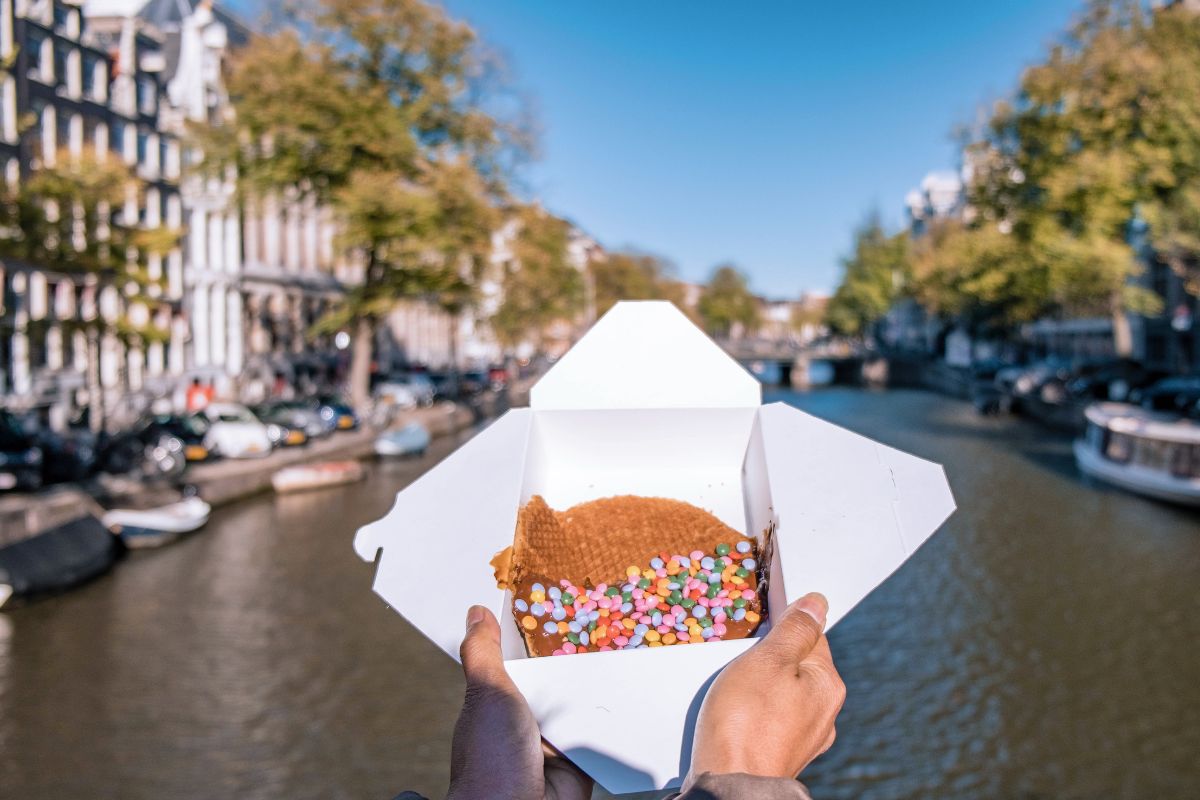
497,750
772,711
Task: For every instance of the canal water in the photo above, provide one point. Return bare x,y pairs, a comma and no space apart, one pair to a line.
1044,644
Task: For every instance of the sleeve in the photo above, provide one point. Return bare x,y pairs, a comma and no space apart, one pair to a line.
740,786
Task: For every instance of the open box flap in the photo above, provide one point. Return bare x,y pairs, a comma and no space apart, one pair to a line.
850,510
645,354
465,509
594,708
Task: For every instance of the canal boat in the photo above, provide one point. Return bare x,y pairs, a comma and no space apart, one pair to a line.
316,476
411,440
153,527
56,559
1148,452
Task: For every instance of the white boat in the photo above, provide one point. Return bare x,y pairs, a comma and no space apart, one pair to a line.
411,440
316,476
156,526
1150,453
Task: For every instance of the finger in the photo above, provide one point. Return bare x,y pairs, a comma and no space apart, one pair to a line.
564,780
482,660
798,630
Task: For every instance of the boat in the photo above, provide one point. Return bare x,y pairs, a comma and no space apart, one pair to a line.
316,476
56,559
153,527
1148,452
411,440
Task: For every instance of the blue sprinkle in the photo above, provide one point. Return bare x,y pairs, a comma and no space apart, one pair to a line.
555,593
714,578
699,611
629,587
656,562
707,562
684,561
679,626
707,633
743,546
559,613
521,605
537,587
583,637
626,608
550,627
639,630
749,563
672,585
657,618
538,610
595,615
739,614
574,627
635,641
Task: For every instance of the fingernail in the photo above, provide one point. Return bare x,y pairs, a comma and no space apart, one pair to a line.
475,615
815,605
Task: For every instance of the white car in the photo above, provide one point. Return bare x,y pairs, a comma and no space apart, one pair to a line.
234,432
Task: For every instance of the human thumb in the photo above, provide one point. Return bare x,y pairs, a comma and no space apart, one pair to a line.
799,628
482,660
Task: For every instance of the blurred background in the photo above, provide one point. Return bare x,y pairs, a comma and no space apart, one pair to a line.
262,265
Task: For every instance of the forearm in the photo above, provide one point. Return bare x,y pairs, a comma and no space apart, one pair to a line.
739,786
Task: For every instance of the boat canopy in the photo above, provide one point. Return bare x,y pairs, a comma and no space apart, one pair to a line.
1134,421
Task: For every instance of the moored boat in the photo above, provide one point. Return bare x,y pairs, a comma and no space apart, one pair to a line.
56,559
152,527
316,476
1154,454
412,439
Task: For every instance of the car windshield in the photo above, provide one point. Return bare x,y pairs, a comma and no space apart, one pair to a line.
11,433
235,415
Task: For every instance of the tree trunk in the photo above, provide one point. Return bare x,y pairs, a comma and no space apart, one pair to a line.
95,391
362,351
454,341
1122,332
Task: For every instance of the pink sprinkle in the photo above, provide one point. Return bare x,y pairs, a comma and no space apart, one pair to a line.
568,648
704,601
723,593
602,588
605,648
669,620
697,555
718,629
604,602
714,638
566,584
661,572
683,637
719,616
549,606
559,652
664,628
747,594
621,641
591,605
638,594
678,611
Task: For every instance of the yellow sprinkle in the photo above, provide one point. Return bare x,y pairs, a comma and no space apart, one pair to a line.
752,617
563,627
537,597
633,572
738,581
651,636
669,639
628,624
604,612
654,644
601,631
648,574
528,622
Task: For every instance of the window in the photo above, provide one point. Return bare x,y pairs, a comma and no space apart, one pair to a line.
116,138
34,43
164,156
63,135
62,63
62,18
143,146
146,95
8,109
93,77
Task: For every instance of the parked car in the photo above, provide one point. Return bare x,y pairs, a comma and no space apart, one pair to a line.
235,432
301,415
396,395
1177,395
191,429
497,377
1114,379
445,385
20,457
473,382
282,427
419,384
148,450
337,411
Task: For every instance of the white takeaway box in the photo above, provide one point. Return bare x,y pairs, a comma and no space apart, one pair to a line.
646,404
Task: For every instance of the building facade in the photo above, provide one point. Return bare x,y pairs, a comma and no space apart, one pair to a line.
67,91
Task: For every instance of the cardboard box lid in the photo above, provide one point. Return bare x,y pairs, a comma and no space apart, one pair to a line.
849,512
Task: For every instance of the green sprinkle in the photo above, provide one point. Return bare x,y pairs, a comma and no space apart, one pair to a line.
568,598
687,602
674,598
705,622
739,602
612,591
742,572
644,583
573,638
713,590
627,597
718,565
722,549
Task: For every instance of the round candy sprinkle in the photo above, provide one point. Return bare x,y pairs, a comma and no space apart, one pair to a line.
550,627
722,550
537,587
743,546
521,605
749,563
529,623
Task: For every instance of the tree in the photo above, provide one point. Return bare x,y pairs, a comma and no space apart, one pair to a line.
726,302
541,285
633,276
379,110
873,277
1063,168
71,218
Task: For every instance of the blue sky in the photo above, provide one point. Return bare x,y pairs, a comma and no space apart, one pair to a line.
759,132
